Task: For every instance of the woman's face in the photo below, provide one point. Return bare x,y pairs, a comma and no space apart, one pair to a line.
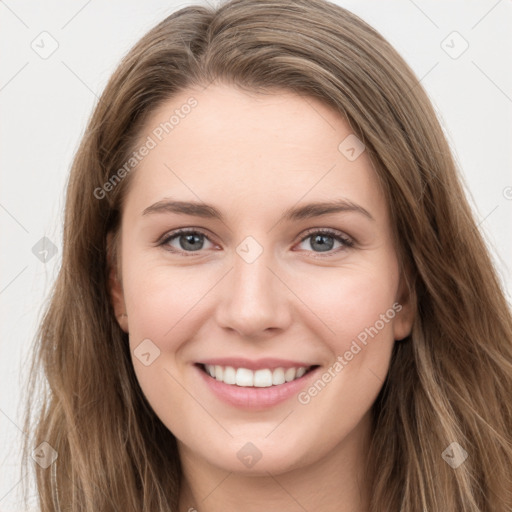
256,288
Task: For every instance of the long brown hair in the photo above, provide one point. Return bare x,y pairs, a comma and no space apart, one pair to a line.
450,381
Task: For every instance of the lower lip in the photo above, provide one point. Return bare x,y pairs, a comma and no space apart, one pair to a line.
252,397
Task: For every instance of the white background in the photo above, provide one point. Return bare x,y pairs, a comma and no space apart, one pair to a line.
45,104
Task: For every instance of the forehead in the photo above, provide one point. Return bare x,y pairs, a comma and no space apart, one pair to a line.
256,151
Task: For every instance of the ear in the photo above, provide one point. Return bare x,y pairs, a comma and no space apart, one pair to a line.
405,307
115,286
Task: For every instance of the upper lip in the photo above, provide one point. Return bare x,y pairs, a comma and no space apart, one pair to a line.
255,364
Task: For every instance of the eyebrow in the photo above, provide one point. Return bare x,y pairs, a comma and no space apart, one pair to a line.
307,211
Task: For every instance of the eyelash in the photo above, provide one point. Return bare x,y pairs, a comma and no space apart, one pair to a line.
343,239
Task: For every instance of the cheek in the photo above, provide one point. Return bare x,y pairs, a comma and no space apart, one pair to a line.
352,302
160,305
360,308
160,298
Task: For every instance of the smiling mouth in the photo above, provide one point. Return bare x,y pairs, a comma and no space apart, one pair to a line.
263,378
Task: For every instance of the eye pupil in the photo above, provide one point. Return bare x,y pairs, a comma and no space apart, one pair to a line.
190,239
320,239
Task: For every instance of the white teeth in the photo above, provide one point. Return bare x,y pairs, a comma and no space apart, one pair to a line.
244,377
229,375
278,376
260,378
289,374
300,372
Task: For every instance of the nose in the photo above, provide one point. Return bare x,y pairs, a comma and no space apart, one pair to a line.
255,300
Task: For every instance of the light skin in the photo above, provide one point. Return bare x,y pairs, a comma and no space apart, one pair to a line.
252,157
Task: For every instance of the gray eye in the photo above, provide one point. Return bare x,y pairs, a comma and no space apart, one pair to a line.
188,241
321,242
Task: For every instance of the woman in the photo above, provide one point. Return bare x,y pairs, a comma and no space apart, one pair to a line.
259,372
